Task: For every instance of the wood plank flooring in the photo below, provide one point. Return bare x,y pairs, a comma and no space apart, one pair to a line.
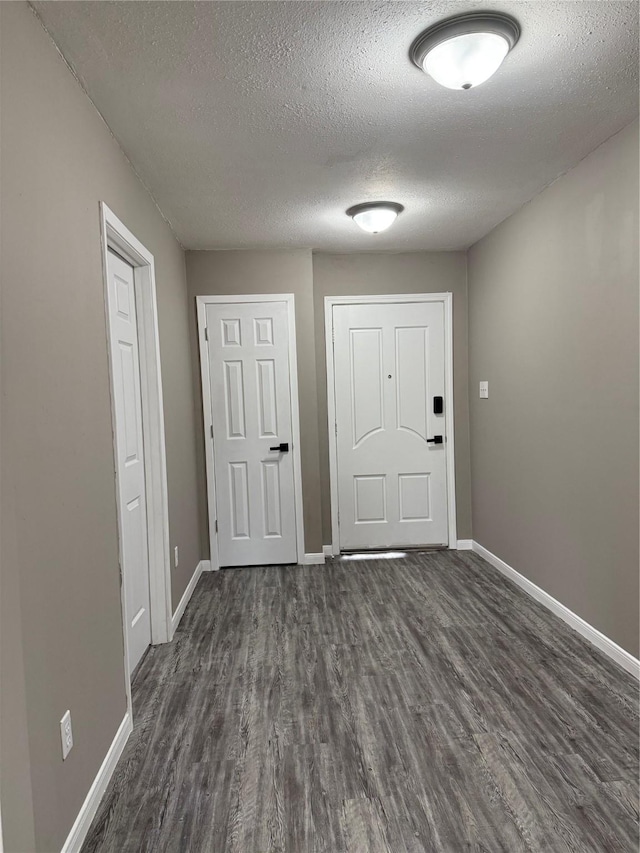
419,704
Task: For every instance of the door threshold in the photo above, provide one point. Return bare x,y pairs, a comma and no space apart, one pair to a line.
259,566
386,554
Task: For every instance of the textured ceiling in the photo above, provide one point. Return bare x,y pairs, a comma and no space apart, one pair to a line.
256,124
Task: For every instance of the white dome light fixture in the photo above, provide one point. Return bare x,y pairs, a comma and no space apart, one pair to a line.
464,51
375,216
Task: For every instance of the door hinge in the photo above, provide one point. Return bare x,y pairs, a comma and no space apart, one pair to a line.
336,427
216,525
211,431
206,333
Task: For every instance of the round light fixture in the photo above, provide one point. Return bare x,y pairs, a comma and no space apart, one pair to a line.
464,51
375,216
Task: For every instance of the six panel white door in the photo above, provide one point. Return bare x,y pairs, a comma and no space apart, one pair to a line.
389,362
249,375
127,405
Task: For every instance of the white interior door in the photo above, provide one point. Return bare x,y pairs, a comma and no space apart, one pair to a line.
132,504
252,439
389,364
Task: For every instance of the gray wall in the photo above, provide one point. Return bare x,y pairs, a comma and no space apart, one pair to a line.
413,272
286,271
61,609
553,307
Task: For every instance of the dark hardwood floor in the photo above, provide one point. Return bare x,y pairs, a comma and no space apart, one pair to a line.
420,704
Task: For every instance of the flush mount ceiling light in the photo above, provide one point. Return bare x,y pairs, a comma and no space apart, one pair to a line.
465,50
375,216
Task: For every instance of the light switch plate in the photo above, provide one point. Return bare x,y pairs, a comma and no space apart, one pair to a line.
484,390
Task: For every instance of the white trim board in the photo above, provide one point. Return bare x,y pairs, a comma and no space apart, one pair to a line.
447,300
327,550
465,545
87,812
595,637
186,597
201,308
312,560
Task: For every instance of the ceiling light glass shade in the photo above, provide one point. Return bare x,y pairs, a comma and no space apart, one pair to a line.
375,216
463,52
376,219
466,61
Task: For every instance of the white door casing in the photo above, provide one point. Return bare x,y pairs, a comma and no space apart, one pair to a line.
132,504
388,358
246,352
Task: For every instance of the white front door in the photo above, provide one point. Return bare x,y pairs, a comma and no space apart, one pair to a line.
127,403
251,413
389,362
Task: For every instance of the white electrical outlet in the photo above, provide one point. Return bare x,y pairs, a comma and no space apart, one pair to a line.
484,390
175,557
66,733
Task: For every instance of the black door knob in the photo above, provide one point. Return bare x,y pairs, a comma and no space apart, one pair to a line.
437,439
282,448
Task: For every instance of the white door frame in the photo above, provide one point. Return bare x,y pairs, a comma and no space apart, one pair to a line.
116,236
201,305
447,300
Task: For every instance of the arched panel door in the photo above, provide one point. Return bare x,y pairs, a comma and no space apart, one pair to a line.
389,362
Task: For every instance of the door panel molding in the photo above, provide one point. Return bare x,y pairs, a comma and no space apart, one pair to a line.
263,333
117,237
447,301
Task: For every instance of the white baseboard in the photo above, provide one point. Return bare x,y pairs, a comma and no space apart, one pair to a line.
312,560
186,597
206,565
599,640
327,550
464,545
79,830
